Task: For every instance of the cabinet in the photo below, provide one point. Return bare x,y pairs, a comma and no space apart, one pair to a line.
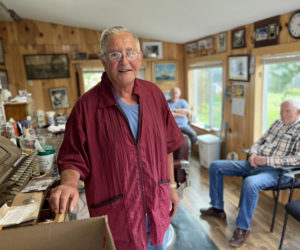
18,110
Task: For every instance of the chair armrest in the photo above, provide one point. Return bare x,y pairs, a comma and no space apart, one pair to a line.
292,173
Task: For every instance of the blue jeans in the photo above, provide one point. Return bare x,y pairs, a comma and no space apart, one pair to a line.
187,129
255,179
163,246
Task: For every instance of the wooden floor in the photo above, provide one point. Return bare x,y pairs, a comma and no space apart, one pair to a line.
196,196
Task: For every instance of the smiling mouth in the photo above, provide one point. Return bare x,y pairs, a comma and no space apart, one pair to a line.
125,70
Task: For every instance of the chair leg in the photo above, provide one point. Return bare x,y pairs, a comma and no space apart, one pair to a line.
275,210
283,230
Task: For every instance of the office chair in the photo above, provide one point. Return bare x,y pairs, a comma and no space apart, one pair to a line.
292,208
294,183
181,162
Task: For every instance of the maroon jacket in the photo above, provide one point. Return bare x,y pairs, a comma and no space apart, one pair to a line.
123,179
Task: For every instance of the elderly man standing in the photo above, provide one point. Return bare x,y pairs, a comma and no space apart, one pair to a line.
278,147
119,140
180,110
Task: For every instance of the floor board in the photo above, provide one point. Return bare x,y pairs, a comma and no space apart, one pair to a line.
196,196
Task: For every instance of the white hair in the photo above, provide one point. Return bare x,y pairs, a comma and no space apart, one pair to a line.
295,103
115,30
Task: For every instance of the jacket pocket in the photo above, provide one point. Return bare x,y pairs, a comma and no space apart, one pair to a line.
164,202
117,216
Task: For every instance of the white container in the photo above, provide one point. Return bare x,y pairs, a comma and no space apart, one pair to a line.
208,149
46,160
41,118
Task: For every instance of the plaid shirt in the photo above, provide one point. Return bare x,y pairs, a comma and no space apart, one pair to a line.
280,144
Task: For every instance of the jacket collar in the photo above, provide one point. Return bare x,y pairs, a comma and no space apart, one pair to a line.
106,96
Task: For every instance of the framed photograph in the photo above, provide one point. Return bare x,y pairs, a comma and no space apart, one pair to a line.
2,60
165,71
267,32
46,66
3,79
222,42
152,50
191,47
238,68
59,98
238,38
205,44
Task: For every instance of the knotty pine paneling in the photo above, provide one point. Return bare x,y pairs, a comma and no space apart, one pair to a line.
34,37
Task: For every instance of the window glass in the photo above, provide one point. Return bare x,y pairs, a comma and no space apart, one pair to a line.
281,81
208,96
91,76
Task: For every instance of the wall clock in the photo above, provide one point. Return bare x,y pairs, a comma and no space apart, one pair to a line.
294,25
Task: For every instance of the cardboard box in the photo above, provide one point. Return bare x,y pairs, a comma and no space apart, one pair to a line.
76,235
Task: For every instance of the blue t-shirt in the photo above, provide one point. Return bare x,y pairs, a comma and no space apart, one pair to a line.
132,113
180,104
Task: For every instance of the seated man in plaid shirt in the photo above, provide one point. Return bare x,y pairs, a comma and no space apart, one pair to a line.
279,146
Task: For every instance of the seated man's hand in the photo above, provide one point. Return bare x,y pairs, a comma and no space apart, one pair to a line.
251,160
260,160
60,195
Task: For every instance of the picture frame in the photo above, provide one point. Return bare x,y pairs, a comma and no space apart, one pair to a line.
152,50
191,47
238,68
165,72
238,38
3,79
267,32
2,58
59,98
222,42
46,66
205,44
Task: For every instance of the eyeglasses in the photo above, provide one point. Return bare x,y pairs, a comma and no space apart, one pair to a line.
117,55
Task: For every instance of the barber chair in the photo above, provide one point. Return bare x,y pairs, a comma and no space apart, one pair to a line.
181,163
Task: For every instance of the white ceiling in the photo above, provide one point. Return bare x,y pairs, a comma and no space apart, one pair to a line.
176,21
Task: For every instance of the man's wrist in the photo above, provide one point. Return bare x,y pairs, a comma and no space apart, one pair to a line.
173,185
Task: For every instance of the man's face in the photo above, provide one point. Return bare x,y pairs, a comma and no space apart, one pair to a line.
122,72
175,94
288,113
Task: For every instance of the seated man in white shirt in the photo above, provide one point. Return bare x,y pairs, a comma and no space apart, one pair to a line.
180,110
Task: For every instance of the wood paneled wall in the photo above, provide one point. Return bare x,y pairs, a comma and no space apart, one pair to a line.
244,130
34,37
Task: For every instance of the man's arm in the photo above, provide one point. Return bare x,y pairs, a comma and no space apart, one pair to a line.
67,190
180,112
174,198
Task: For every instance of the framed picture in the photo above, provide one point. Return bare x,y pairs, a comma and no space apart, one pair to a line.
164,71
59,98
2,60
222,42
3,79
238,38
152,50
238,68
46,66
191,47
267,32
205,44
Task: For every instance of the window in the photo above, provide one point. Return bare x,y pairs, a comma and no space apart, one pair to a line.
207,86
281,81
91,76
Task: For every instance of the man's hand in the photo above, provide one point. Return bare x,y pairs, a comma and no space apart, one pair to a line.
251,160
174,201
260,160
255,160
60,195
66,191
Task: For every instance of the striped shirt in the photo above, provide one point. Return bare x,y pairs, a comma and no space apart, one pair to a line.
280,144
